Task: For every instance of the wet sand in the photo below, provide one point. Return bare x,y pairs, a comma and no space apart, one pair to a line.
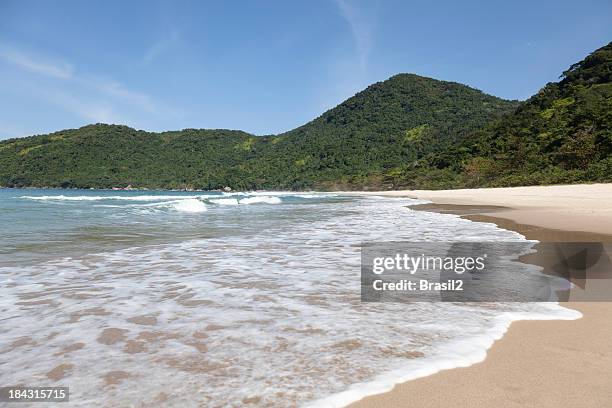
580,207
537,363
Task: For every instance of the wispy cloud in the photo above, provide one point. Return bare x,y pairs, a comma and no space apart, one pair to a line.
347,72
117,90
160,47
86,108
91,97
56,69
361,28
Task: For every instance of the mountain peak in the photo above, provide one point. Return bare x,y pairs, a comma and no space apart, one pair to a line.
407,131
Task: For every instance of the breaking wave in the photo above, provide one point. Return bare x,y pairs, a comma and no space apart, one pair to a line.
262,306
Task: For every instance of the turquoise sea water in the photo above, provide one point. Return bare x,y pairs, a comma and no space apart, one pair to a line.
43,224
143,298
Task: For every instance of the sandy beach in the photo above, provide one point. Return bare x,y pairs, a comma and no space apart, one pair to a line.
537,363
579,207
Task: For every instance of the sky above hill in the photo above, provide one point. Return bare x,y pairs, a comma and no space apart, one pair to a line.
267,66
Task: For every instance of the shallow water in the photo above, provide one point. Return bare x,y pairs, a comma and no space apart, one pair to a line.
192,299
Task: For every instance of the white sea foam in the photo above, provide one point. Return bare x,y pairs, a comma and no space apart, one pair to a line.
224,198
62,197
191,205
266,310
260,199
454,354
300,194
224,201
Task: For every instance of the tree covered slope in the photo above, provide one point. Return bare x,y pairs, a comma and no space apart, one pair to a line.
408,131
388,123
563,134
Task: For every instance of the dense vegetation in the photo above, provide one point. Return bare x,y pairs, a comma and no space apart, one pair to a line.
376,130
408,131
563,134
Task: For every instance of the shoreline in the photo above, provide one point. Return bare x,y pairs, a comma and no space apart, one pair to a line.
477,352
544,363
570,207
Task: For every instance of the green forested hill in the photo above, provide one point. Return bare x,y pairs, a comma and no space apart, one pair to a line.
108,155
354,143
408,131
563,134
368,135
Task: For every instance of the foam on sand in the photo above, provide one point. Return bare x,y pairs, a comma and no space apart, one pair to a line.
455,354
255,303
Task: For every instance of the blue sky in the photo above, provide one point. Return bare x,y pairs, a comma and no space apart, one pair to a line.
267,66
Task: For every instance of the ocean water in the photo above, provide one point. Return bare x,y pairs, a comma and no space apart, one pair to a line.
224,299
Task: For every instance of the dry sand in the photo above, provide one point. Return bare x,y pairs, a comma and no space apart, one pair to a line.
580,207
537,363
